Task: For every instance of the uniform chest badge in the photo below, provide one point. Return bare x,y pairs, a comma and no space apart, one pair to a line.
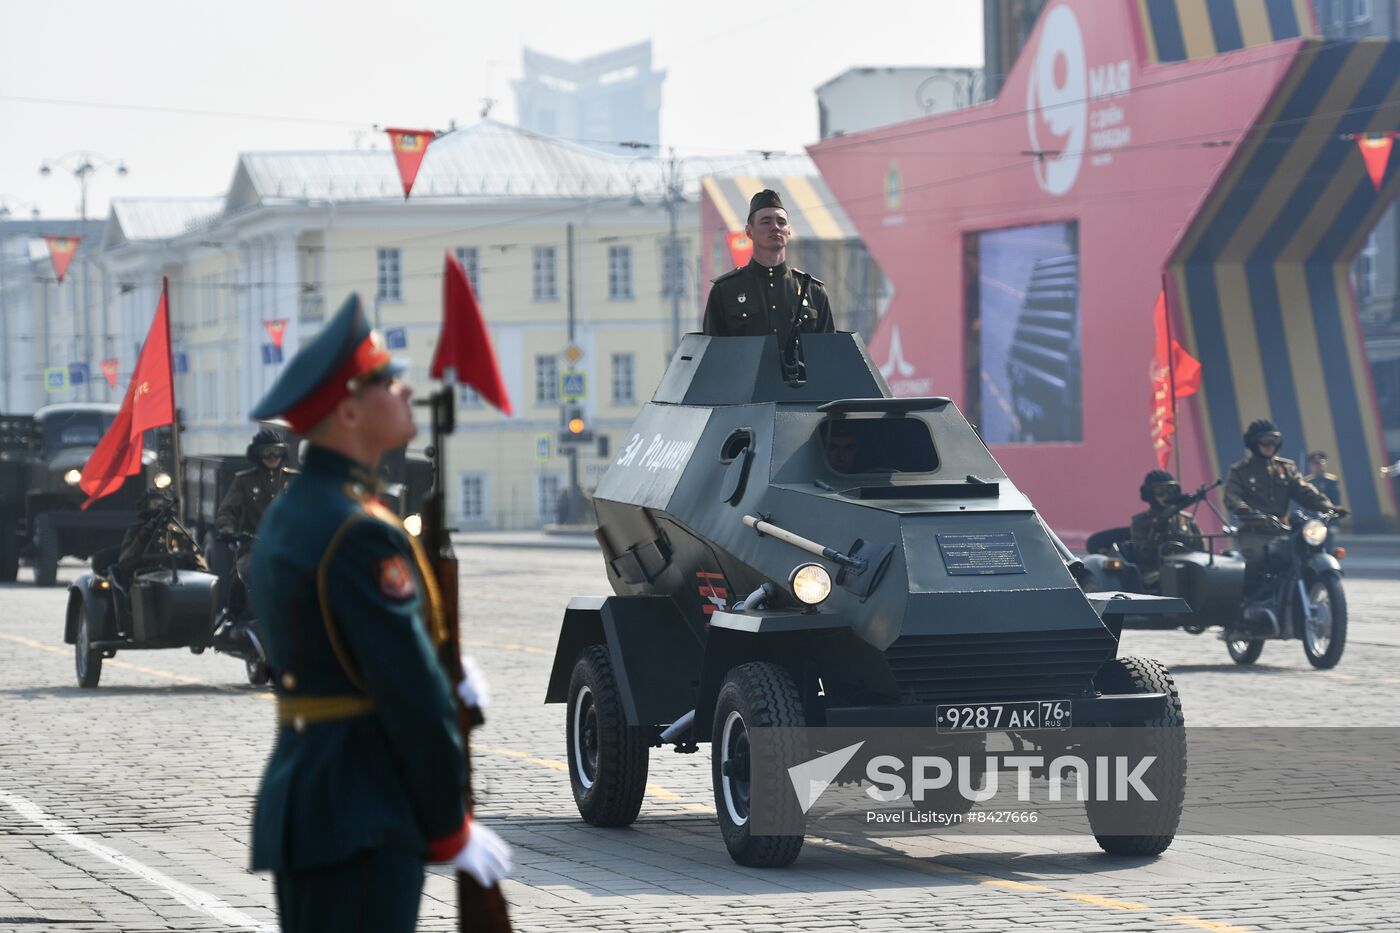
743,298
396,578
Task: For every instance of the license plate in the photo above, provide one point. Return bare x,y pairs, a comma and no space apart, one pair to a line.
991,717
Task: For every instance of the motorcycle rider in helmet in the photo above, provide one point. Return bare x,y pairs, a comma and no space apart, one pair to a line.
1265,482
153,516
1155,527
253,490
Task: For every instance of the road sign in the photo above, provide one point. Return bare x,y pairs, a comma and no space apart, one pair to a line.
573,353
55,379
572,386
541,447
77,374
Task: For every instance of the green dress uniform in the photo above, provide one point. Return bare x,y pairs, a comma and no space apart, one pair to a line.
366,781
757,300
1268,485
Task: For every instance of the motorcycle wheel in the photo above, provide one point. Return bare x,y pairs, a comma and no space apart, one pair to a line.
87,662
1245,651
258,671
1325,631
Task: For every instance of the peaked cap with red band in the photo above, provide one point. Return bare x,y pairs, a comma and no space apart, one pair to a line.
326,370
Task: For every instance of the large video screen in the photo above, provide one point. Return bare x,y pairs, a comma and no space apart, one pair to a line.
1023,334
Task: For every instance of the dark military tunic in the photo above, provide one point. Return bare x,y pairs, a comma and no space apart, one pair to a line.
251,492
1268,486
1328,485
1151,530
758,300
368,774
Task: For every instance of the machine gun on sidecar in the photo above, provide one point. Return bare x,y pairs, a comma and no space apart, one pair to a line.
894,576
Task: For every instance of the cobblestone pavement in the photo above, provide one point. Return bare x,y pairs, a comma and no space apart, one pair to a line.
127,808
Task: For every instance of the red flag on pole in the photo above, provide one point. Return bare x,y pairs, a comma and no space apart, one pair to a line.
1174,374
109,369
409,148
1375,152
740,249
276,330
464,344
149,403
61,250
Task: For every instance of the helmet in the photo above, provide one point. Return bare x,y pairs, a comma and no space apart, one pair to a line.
1156,478
1260,428
267,437
152,502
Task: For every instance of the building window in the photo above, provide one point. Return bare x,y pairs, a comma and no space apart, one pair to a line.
209,394
619,272
467,397
473,497
1363,273
209,299
1360,11
547,489
389,279
623,381
546,380
544,274
470,260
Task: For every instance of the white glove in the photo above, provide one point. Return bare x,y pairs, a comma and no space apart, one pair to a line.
486,856
474,690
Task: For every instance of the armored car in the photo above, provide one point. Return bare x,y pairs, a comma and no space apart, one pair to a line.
789,545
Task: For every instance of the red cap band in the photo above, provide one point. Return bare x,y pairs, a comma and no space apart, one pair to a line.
309,411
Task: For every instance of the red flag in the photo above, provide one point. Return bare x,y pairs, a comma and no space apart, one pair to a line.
1173,375
109,369
1375,151
464,344
149,403
276,330
61,250
740,249
409,148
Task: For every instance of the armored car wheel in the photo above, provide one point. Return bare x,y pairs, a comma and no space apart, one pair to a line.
1244,651
1141,827
87,662
753,695
607,758
1325,630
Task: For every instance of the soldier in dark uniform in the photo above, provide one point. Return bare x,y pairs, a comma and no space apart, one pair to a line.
365,784
765,296
1155,527
1326,483
1264,482
249,495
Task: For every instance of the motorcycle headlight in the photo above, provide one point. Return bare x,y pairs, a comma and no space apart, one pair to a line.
413,524
72,477
1314,532
810,583
161,481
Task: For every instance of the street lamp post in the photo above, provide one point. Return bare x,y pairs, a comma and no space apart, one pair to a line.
84,164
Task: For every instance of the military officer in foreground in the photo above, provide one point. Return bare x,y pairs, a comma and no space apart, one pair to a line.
766,296
365,784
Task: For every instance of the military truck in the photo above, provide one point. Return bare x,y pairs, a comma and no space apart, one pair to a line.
41,461
790,546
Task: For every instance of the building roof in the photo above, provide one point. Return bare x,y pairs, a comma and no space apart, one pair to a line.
487,160
137,219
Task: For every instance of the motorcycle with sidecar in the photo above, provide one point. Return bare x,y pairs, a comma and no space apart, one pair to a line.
1299,595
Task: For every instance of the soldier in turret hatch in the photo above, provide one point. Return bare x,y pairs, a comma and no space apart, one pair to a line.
767,295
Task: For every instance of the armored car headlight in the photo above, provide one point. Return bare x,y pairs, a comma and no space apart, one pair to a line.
810,583
161,481
72,477
1314,532
413,524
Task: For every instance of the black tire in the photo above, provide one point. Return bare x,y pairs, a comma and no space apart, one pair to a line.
45,552
256,668
1245,651
1324,648
607,758
87,662
754,695
1155,823
9,552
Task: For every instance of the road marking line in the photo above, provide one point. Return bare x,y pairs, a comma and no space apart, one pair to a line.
508,646
127,665
185,894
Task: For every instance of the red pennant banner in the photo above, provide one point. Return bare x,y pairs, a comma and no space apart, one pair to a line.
740,249
109,369
409,148
1375,152
464,345
1174,374
61,250
276,330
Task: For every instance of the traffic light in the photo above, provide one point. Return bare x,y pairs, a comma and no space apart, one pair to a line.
575,430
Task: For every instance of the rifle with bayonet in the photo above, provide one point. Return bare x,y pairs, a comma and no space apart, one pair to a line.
478,908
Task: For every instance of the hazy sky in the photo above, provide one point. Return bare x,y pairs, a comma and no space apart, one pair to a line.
177,88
